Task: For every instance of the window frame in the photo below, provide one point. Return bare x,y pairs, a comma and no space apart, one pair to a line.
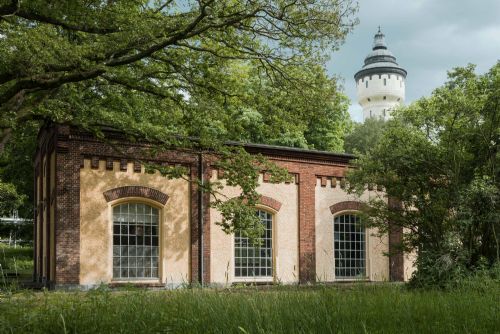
153,204
367,247
274,256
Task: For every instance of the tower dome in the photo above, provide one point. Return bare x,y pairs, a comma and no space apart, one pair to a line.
381,81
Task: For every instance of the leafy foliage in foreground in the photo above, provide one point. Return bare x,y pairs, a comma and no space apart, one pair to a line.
167,70
440,158
357,309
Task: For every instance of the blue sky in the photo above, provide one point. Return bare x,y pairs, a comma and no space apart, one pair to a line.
428,37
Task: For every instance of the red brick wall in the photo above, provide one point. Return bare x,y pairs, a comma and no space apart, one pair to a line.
67,209
195,231
73,146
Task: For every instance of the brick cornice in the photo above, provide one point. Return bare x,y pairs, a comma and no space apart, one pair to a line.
347,205
136,191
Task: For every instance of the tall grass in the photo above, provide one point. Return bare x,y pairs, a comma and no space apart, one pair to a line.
16,265
359,309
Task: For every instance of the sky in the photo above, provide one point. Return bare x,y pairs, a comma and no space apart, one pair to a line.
428,38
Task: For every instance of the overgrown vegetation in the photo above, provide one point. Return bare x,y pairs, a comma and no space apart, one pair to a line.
439,157
355,309
16,266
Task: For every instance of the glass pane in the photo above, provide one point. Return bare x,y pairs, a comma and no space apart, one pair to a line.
135,250
254,260
349,246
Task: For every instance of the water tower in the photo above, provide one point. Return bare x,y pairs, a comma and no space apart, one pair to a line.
381,81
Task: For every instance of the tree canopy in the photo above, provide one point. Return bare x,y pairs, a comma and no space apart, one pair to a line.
364,136
93,62
439,157
168,70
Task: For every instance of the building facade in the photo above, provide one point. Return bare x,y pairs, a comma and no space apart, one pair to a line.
101,217
380,83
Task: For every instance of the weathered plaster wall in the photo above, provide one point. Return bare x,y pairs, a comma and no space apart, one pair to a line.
285,241
96,222
377,265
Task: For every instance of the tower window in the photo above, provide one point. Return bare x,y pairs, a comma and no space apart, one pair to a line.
385,97
385,82
368,99
370,113
366,83
384,112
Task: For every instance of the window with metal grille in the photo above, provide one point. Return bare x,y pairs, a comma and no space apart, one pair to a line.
350,252
255,261
135,241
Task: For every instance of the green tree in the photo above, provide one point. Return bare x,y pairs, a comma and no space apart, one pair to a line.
440,157
16,168
309,114
364,136
166,70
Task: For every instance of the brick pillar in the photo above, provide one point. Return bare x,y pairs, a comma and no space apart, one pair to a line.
67,209
195,236
307,239
195,233
396,256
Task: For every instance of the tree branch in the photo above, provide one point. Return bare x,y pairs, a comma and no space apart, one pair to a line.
25,14
38,83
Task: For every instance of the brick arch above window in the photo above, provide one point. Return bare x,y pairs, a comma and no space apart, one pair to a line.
136,191
270,202
347,205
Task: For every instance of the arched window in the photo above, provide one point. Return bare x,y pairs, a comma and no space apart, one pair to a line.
350,246
366,83
135,241
255,261
385,82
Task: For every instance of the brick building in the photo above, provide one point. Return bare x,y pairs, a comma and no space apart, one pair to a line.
102,218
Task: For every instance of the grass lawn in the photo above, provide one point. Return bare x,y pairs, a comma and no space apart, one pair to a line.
382,308
16,265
